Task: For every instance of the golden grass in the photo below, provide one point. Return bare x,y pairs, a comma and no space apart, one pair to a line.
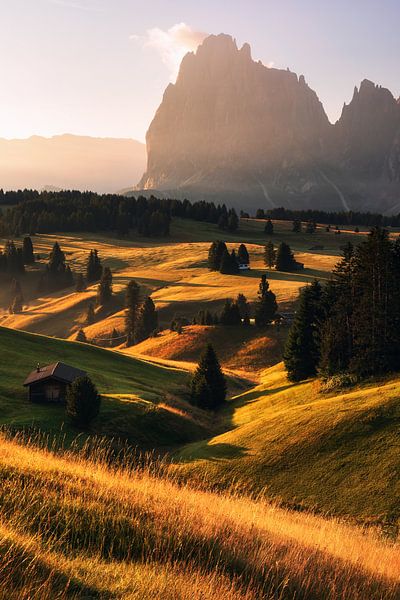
175,272
70,527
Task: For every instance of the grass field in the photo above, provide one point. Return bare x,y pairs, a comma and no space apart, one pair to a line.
70,528
335,452
139,402
174,270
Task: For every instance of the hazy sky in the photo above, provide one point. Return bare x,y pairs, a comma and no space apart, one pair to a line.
99,67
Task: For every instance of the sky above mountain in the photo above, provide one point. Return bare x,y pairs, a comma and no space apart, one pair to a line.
99,67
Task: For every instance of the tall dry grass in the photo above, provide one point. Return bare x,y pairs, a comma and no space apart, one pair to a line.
73,527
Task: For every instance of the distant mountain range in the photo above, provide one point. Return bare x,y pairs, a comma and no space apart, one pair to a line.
233,130
71,162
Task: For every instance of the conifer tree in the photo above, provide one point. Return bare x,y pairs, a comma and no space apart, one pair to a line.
104,291
296,227
81,336
147,322
269,227
80,285
243,255
269,255
285,260
17,305
230,314
208,386
226,263
93,267
90,315
233,221
266,306
82,402
27,251
215,254
244,309
302,350
115,338
132,304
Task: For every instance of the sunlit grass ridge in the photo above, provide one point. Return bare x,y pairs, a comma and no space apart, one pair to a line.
91,530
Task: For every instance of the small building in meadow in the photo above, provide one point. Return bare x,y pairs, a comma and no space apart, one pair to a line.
50,383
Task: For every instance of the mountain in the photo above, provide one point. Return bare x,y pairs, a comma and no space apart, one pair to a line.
234,130
68,161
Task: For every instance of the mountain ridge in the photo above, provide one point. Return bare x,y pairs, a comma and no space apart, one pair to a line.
234,130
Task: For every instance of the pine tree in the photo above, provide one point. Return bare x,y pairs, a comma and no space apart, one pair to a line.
266,306
296,227
244,309
81,336
82,402
93,267
310,227
90,315
243,255
208,386
234,263
132,304
302,350
147,322
27,251
115,338
80,285
269,255
226,263
230,314
285,260
233,221
269,227
104,291
215,254
17,305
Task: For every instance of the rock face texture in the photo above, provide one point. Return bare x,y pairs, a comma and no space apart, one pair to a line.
233,130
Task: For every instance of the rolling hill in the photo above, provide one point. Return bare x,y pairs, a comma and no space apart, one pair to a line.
138,397
331,451
71,528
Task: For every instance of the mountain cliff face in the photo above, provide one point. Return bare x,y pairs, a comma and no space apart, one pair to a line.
234,130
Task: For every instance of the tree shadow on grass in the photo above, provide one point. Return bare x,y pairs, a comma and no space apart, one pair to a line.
215,452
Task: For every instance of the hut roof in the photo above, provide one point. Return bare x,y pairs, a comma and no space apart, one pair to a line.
58,370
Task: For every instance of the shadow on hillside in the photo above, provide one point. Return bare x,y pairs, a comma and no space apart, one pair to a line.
249,397
305,275
216,452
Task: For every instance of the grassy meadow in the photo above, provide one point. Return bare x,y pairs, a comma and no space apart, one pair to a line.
289,493
73,528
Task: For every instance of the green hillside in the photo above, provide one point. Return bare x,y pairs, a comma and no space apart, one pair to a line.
334,452
131,390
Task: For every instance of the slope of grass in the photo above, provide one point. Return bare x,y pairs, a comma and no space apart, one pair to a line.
335,452
135,392
70,528
246,350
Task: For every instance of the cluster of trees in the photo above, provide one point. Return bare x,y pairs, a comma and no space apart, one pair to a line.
310,226
281,258
220,259
320,216
228,220
13,259
141,317
46,212
57,274
352,325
